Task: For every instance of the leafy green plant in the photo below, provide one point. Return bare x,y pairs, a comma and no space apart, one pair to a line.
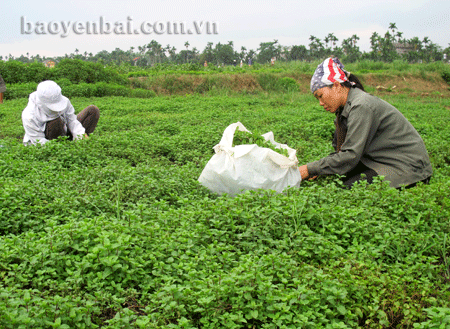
268,81
244,137
78,71
116,232
288,84
20,90
446,75
16,72
439,318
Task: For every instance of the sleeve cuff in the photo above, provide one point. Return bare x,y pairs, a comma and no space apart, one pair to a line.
313,168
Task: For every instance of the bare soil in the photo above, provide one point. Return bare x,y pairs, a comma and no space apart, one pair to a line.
432,85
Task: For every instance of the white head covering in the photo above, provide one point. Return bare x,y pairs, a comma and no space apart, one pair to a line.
49,95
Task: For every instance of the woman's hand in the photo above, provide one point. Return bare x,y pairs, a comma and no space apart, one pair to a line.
303,172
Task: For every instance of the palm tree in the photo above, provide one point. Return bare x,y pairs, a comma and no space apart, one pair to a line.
172,53
347,45
153,51
374,40
186,44
167,50
416,43
158,52
326,39
392,27
332,38
194,52
242,54
312,45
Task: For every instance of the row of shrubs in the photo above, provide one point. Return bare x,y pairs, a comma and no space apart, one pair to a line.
197,69
98,89
78,71
189,84
75,70
79,78
146,89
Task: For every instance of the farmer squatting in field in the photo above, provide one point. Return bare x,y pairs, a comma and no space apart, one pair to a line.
49,115
372,137
2,89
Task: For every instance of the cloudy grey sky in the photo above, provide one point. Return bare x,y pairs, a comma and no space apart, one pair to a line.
245,22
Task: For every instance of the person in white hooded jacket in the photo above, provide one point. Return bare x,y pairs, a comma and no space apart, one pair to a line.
49,115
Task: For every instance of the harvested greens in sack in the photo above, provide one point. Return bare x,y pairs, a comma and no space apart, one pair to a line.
234,169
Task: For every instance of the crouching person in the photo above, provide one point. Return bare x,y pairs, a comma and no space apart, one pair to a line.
49,115
2,89
371,138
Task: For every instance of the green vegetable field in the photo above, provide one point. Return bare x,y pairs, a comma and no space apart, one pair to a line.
116,232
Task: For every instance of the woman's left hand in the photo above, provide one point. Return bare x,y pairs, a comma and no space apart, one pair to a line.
303,172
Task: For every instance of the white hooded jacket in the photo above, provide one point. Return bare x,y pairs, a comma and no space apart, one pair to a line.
35,117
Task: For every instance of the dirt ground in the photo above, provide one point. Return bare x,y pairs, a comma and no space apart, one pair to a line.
414,86
432,85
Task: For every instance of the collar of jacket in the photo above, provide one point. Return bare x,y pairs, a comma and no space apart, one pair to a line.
352,94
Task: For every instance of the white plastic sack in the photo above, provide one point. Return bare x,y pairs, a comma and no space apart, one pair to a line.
249,167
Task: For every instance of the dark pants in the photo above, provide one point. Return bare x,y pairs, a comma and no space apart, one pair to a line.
355,175
88,119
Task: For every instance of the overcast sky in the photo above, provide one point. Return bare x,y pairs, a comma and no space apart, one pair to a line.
245,22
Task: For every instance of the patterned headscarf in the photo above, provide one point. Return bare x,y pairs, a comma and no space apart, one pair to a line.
329,71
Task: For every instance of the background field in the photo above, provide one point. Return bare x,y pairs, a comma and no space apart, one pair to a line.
116,232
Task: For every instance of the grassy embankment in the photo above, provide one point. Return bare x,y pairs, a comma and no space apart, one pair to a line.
398,77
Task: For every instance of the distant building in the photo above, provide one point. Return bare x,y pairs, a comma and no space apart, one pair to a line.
49,63
403,48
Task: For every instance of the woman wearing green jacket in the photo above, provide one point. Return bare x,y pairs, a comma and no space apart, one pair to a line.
372,137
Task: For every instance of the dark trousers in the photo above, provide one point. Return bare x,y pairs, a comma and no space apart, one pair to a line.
355,175
88,119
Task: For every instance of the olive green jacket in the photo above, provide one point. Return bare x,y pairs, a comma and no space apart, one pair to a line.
2,85
381,138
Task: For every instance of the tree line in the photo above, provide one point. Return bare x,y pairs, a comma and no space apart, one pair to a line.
387,48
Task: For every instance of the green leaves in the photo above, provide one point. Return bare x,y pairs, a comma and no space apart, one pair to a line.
243,137
116,232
